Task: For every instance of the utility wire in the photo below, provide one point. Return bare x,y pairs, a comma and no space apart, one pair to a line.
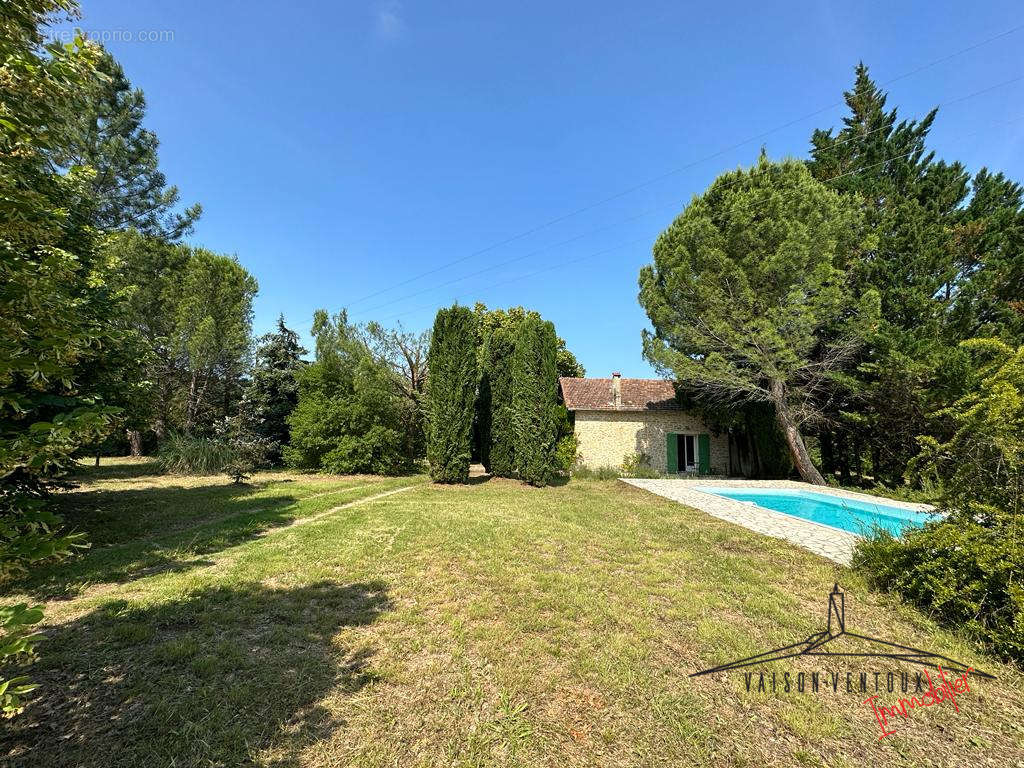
648,212
673,172
565,263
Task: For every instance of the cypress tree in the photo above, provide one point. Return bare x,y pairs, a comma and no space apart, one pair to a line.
534,400
500,377
452,381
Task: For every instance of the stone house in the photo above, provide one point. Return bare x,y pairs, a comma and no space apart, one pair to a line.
618,417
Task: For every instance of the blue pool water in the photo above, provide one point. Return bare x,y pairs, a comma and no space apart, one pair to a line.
854,515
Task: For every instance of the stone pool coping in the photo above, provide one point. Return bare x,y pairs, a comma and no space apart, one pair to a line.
834,543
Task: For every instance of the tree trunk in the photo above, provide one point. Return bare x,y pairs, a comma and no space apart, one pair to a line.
190,401
797,449
135,442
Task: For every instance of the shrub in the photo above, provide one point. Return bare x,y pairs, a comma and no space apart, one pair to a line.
963,574
452,383
965,570
638,465
182,454
239,470
351,412
379,451
596,473
250,455
344,435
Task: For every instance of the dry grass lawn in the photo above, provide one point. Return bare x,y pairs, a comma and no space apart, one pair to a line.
311,621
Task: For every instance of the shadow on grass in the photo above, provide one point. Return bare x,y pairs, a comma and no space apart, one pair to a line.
109,517
134,533
216,678
125,471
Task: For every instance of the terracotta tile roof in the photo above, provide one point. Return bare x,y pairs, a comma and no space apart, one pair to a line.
637,395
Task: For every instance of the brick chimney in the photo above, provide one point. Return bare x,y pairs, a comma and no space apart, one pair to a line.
617,389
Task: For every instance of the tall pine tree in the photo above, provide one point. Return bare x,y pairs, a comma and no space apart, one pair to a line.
106,134
912,203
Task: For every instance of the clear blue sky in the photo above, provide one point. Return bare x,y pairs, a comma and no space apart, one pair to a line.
340,147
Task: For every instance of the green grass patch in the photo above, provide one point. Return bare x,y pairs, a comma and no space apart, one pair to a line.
493,624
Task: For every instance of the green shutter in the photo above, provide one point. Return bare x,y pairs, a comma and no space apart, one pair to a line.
704,454
672,452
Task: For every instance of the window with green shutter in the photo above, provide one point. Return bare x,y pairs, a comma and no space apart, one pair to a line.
704,454
672,452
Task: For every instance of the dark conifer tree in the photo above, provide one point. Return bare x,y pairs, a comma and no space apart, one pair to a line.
534,400
912,204
273,391
452,384
498,433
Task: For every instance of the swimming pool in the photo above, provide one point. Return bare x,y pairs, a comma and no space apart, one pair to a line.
853,515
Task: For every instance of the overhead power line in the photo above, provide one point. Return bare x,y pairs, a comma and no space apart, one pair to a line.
620,222
567,262
675,171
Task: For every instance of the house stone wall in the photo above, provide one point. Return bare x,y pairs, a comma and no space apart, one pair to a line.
606,437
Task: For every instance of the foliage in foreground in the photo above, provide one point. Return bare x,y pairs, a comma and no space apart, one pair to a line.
966,575
966,569
54,302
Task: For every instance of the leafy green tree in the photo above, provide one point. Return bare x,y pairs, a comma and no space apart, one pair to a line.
405,354
750,299
490,319
350,413
53,295
212,333
452,362
192,311
106,133
151,275
272,391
